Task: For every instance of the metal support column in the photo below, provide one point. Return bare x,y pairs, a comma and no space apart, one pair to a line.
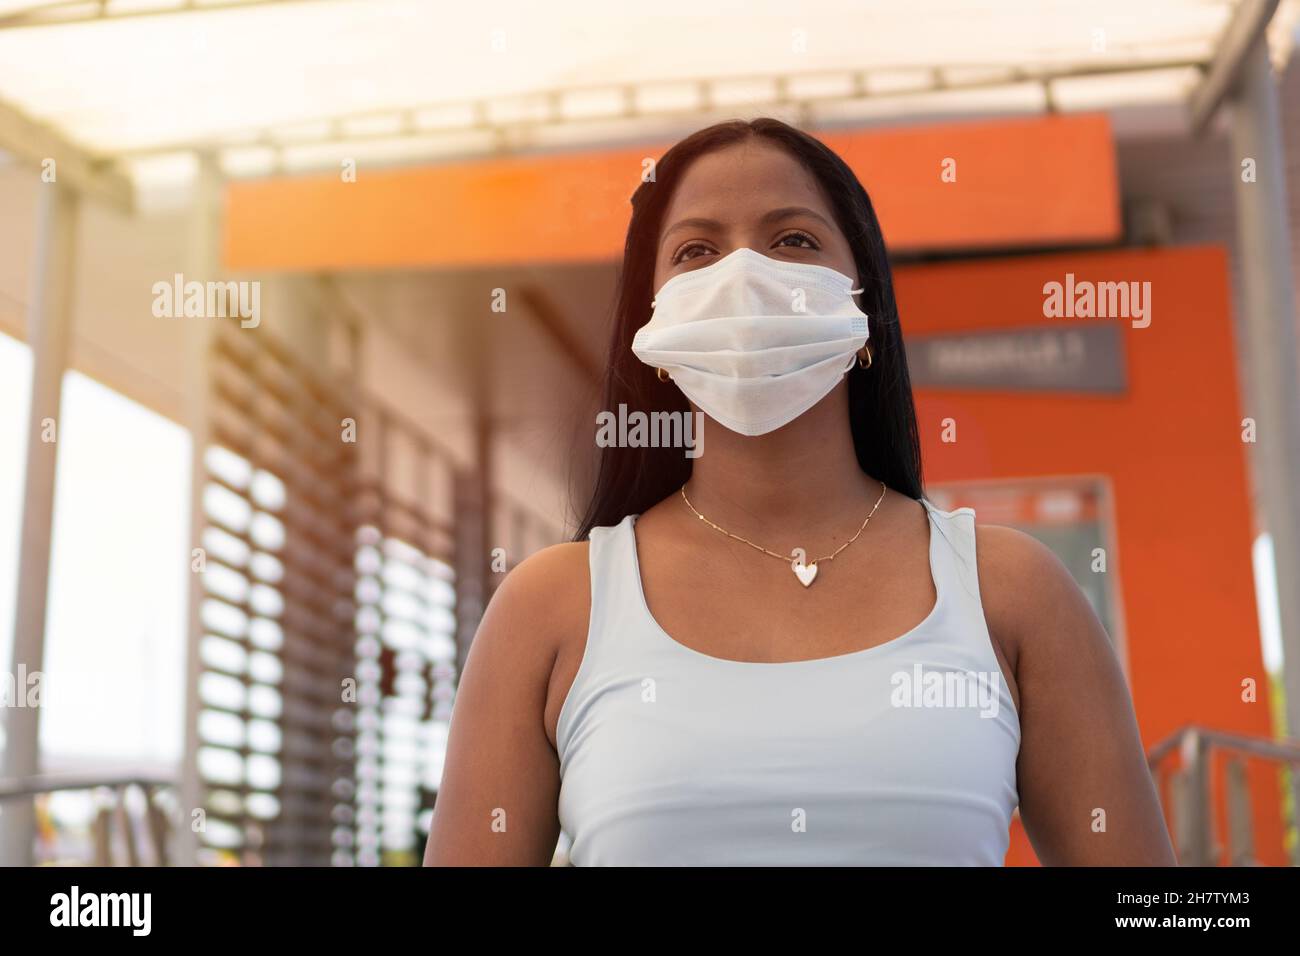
202,264
1264,247
475,500
49,330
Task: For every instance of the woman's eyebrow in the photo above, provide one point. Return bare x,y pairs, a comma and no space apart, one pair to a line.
774,215
695,223
787,212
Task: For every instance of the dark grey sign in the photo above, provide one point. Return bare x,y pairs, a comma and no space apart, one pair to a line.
1065,357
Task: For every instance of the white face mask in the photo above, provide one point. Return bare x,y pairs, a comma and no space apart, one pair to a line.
754,341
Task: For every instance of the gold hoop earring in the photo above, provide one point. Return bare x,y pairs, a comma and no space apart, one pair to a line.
662,375
865,350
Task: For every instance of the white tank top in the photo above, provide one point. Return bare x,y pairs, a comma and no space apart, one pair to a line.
902,754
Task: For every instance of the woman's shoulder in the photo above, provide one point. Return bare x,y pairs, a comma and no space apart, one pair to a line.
532,617
1027,592
549,587
1009,552
543,607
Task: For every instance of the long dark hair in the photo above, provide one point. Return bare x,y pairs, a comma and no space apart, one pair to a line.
881,414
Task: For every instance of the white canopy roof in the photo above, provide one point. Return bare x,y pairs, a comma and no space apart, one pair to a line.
409,79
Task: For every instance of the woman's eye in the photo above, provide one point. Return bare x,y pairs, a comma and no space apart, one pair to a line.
682,253
801,237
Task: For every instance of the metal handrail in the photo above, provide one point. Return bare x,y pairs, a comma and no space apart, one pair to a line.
50,783
1285,751
156,822
1191,813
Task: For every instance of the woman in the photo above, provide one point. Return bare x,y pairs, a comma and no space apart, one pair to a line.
886,691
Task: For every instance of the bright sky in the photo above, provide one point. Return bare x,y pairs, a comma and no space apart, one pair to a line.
115,656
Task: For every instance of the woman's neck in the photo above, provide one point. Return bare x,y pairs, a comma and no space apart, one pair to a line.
804,476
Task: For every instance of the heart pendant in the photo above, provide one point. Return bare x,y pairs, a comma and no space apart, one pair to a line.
806,573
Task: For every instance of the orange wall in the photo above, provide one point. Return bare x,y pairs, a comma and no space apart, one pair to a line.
1172,449
1041,180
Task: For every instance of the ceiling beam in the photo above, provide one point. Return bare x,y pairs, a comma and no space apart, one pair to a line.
1248,24
35,143
550,320
87,11
409,123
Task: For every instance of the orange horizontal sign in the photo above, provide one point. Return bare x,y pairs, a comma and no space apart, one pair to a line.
1044,180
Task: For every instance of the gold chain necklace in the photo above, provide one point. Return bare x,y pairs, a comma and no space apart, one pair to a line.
806,573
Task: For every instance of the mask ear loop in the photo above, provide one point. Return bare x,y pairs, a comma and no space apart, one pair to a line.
863,355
